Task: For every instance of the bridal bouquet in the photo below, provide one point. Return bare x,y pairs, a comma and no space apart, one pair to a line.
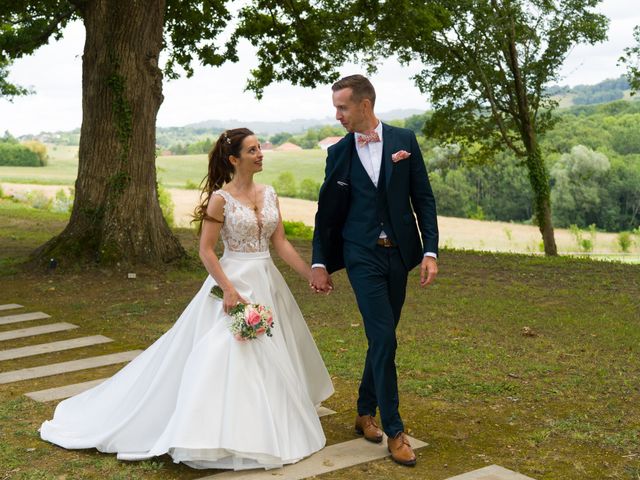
248,321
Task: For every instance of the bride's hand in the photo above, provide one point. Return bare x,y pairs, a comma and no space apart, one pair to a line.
231,299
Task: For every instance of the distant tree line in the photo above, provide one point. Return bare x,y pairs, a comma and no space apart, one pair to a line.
593,156
603,92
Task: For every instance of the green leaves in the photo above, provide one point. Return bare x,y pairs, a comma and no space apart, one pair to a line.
631,59
24,28
192,31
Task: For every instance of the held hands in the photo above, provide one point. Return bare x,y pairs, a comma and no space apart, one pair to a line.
428,271
231,299
321,281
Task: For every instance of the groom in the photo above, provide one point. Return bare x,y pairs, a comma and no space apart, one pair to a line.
365,222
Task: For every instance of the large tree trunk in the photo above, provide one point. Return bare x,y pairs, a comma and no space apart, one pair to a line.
539,178
116,215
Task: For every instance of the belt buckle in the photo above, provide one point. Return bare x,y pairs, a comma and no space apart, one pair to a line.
386,242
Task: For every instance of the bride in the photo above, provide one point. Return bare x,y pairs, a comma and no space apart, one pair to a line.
197,393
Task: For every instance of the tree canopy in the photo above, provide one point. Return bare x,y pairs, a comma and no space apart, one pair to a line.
631,59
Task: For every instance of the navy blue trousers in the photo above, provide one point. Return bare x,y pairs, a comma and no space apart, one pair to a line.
379,280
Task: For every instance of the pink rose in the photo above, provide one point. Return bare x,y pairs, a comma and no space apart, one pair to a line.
269,319
238,337
400,155
252,317
260,331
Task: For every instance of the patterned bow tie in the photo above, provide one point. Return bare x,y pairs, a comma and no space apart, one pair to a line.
368,137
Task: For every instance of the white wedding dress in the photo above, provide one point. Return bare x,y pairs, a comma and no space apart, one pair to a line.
203,397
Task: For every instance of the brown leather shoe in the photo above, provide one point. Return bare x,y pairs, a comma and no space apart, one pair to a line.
366,425
401,451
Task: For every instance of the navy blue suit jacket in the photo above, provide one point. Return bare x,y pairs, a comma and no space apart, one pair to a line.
408,192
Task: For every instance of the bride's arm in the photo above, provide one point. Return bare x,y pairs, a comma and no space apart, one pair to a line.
208,239
287,252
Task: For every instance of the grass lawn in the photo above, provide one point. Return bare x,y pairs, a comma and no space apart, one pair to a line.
173,171
559,404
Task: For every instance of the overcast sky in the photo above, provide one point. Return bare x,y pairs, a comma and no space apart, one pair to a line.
55,72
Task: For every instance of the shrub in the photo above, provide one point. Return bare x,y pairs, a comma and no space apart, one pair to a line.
285,185
584,244
39,149
309,189
191,185
63,201
297,230
166,204
39,200
476,213
16,155
1,192
624,241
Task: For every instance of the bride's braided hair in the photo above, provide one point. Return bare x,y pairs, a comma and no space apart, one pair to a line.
220,168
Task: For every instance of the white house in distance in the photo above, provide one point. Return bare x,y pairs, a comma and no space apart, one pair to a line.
328,141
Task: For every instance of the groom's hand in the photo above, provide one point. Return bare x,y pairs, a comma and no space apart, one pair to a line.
428,271
321,280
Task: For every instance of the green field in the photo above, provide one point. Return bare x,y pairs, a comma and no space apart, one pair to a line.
62,169
558,403
173,171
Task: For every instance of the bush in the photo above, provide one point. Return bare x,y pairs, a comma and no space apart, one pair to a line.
584,244
476,213
1,192
191,185
297,230
16,155
39,200
309,189
63,201
625,241
39,149
285,185
166,204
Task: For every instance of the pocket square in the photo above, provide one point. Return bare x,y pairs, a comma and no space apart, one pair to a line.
400,155
342,184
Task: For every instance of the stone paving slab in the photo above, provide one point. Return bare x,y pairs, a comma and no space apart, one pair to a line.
64,367
9,306
492,472
52,347
329,459
324,411
59,393
22,317
42,329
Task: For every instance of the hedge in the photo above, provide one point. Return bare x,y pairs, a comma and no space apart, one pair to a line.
16,155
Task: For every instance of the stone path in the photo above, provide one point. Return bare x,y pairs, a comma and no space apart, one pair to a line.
492,472
66,367
50,347
332,458
60,346
22,317
31,331
329,459
10,306
59,393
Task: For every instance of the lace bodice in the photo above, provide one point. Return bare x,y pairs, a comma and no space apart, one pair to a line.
245,230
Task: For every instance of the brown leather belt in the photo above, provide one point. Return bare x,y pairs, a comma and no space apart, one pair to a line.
385,242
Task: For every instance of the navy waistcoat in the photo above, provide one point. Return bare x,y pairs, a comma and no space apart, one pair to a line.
368,210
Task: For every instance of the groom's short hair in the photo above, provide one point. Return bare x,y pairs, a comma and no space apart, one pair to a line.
360,87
